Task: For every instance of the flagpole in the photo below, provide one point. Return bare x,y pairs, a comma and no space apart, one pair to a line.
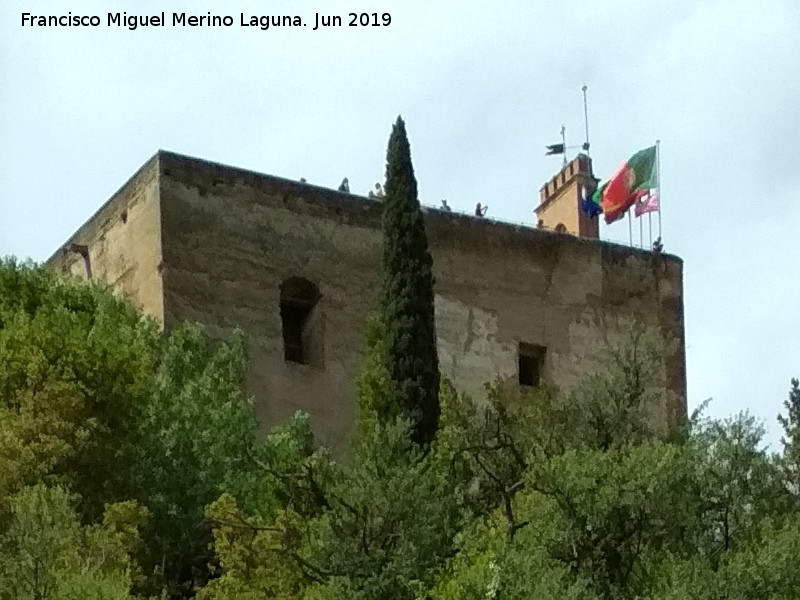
564,141
650,226
658,176
641,232
630,229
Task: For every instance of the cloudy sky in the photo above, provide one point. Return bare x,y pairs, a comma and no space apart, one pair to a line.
483,86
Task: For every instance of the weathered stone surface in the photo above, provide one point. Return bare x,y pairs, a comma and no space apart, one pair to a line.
123,239
210,243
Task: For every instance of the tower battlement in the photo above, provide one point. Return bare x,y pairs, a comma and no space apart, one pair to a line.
559,200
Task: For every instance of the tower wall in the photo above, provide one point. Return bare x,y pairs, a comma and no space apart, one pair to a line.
232,237
121,243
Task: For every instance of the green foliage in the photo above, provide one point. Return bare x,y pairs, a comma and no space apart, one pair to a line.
376,526
408,331
91,586
738,483
490,564
791,438
129,461
193,434
374,402
484,448
763,567
287,472
393,514
256,560
260,528
630,522
622,402
591,501
76,367
92,397
46,554
613,505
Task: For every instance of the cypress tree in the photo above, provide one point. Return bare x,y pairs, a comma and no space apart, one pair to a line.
791,438
407,315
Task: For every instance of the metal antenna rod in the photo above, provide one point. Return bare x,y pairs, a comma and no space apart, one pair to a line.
586,119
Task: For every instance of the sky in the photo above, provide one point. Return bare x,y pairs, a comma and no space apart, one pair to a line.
483,88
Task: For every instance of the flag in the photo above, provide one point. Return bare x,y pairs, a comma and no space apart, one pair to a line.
630,181
589,203
555,149
647,203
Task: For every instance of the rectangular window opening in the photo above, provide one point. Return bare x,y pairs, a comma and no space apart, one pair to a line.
530,364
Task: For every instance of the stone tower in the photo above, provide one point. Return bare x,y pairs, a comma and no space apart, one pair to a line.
296,266
559,200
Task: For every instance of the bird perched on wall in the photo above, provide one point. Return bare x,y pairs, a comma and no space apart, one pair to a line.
658,247
345,186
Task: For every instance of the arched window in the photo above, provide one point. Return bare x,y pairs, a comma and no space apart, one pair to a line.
302,322
83,251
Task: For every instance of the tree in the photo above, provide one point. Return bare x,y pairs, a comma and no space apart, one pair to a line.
739,485
791,437
194,435
391,517
76,364
46,555
94,398
407,302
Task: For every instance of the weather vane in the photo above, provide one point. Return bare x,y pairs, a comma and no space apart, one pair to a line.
559,148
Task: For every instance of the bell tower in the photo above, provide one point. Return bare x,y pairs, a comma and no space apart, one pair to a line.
559,200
